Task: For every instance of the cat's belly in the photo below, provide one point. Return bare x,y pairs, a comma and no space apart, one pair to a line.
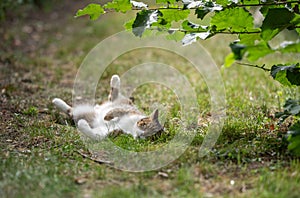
128,125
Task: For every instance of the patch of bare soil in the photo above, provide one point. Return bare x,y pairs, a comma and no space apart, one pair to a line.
28,76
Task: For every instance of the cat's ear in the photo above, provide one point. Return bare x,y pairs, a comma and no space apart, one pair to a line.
154,115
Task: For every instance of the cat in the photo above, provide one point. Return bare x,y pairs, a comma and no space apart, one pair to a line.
116,114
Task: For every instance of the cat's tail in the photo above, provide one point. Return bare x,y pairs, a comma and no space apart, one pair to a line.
62,105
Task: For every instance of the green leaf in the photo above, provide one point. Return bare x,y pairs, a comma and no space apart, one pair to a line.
294,145
224,2
176,36
144,19
294,130
192,27
238,50
276,20
258,51
93,10
234,19
174,14
119,5
229,60
166,1
293,107
249,39
290,108
294,138
296,20
286,75
201,13
287,47
128,25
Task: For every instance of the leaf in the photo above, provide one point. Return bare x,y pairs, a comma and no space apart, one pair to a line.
296,22
275,21
119,5
294,138
286,75
249,39
143,20
235,20
93,10
166,1
294,144
190,4
175,35
258,51
189,26
138,4
287,47
238,50
128,25
201,13
192,37
224,2
189,39
294,130
229,60
290,108
253,52
174,14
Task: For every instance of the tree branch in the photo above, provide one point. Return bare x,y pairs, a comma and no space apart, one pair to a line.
266,4
229,6
212,32
257,66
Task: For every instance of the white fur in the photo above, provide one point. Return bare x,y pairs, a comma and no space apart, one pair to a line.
115,81
59,103
100,128
94,126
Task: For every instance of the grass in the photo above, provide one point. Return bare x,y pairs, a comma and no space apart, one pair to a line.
40,146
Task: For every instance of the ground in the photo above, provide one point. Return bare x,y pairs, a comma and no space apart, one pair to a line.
41,150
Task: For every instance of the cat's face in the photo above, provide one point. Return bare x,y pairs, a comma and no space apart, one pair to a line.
150,125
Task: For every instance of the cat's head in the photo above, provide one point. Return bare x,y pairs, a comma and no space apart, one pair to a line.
150,124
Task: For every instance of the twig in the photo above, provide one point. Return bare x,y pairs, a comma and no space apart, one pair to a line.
257,66
93,158
212,32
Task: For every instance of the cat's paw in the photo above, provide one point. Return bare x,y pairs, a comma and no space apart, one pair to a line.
57,101
115,81
62,105
83,125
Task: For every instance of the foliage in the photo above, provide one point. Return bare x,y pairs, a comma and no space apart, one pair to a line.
292,108
226,17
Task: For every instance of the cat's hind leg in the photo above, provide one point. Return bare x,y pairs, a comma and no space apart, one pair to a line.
114,88
84,127
62,105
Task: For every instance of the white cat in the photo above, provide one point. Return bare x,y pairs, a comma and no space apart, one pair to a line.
116,114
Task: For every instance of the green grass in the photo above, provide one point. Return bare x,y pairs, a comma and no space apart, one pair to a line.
40,146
